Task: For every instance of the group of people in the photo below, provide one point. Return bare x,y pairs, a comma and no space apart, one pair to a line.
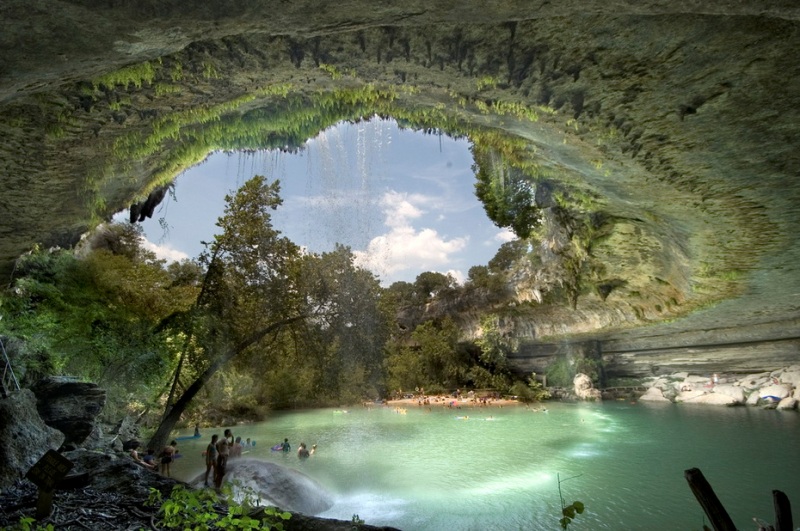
302,451
152,461
217,453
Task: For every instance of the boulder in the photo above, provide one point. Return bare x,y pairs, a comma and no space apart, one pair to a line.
695,380
713,399
779,391
25,437
754,381
284,487
735,392
654,394
688,396
753,399
121,475
787,403
583,388
790,377
69,406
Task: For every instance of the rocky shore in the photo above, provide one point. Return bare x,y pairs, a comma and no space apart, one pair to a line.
778,389
105,488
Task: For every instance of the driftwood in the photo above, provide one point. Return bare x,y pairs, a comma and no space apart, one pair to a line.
711,505
783,512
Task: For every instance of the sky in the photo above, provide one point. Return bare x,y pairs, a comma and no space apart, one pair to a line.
403,201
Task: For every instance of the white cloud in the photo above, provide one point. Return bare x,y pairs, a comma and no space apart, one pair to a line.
164,252
399,209
458,275
505,235
404,246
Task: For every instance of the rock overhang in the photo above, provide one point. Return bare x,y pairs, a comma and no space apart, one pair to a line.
679,123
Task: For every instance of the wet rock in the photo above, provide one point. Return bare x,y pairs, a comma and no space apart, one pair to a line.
787,403
278,485
752,400
25,436
69,406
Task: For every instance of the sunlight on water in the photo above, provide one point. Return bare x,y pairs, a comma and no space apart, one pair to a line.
431,470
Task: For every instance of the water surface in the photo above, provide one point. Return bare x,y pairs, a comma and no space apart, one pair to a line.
498,468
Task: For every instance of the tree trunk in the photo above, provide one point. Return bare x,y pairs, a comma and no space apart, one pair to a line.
161,436
711,505
783,512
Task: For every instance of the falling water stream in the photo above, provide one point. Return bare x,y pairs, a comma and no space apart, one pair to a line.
498,469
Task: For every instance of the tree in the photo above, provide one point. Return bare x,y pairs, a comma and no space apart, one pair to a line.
495,344
357,331
507,255
443,361
253,289
429,284
92,313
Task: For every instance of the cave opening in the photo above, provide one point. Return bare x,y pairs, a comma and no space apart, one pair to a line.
402,199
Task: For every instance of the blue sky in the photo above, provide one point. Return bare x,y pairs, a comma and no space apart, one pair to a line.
402,200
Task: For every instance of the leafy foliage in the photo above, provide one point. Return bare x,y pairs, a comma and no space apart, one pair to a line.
534,391
94,317
29,523
568,512
507,193
205,509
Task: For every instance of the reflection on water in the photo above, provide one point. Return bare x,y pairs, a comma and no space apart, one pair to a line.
498,469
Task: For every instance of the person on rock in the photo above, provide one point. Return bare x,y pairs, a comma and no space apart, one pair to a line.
223,452
135,456
150,458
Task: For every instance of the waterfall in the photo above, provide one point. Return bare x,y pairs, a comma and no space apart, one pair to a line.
277,485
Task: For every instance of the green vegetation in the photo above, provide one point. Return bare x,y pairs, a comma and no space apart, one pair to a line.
110,302
204,509
137,75
568,512
534,391
29,524
562,371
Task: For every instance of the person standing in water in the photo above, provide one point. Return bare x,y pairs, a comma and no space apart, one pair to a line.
223,450
285,446
211,458
167,456
302,451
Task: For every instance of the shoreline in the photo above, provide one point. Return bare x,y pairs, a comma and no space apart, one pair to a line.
442,401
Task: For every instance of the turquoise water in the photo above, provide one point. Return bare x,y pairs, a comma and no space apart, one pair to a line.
498,469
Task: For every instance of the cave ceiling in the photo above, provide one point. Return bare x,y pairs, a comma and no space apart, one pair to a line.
679,121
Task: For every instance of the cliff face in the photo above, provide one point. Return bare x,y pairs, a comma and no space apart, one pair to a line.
677,121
